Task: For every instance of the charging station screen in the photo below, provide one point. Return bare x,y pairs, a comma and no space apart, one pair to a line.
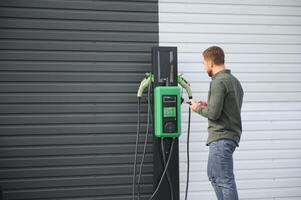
169,112
169,99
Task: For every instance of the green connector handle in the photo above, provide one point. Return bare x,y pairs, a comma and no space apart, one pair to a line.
185,85
149,78
144,84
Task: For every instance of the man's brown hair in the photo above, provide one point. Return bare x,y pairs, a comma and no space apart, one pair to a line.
215,54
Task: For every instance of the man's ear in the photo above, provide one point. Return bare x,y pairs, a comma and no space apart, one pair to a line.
210,62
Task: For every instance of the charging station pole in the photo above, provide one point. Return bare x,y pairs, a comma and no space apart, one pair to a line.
165,72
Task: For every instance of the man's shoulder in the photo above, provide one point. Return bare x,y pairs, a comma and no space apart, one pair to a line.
227,80
224,78
229,77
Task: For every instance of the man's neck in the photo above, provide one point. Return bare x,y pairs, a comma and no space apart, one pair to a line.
218,68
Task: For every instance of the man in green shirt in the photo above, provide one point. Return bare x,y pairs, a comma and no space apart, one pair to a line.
223,111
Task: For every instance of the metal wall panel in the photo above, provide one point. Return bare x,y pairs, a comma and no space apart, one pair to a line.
262,42
69,71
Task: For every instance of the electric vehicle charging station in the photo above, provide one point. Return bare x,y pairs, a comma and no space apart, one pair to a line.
167,100
167,117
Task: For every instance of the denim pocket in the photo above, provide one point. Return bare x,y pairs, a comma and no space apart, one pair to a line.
229,147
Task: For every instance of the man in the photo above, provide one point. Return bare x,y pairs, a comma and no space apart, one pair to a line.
223,112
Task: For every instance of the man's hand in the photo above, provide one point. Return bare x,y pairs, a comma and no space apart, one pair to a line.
202,104
194,105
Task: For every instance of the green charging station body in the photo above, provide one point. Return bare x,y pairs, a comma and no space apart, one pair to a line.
167,104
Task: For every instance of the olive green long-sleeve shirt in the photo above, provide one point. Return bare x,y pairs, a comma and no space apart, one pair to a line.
224,107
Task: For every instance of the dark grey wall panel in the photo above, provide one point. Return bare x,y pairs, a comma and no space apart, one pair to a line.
78,35
77,25
51,161
100,5
8,55
69,87
42,13
68,118
69,71
29,130
68,108
76,46
71,171
69,77
63,66
67,98
83,140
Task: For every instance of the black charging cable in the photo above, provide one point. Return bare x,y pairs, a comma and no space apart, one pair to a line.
167,173
187,145
145,140
165,169
136,149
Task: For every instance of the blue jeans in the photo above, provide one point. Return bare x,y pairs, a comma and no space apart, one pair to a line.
220,169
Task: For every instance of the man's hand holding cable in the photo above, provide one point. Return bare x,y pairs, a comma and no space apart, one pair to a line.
195,105
202,104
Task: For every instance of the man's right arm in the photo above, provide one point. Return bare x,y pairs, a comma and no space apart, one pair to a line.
215,105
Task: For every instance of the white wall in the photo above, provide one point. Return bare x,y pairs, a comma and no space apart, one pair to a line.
262,42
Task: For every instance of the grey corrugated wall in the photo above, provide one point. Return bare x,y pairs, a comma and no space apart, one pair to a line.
69,74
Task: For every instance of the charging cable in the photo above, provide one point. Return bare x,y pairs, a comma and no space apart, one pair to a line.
187,144
165,169
145,140
167,173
